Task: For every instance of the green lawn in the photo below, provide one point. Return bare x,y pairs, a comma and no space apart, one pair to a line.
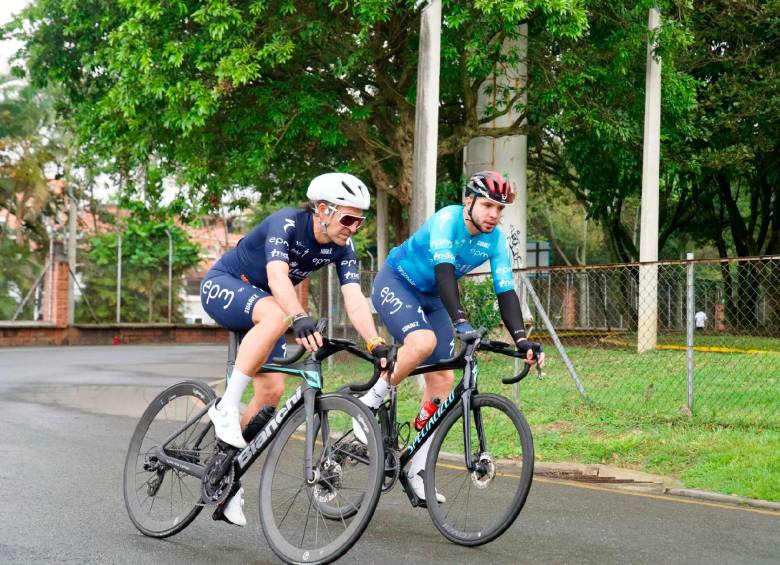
636,416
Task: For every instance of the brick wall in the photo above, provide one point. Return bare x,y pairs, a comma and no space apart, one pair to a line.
31,334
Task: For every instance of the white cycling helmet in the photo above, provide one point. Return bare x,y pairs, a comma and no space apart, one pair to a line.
340,189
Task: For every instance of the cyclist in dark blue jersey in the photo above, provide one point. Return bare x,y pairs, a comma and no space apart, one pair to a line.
251,289
416,294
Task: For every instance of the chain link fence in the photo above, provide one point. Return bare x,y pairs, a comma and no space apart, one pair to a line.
629,340
625,330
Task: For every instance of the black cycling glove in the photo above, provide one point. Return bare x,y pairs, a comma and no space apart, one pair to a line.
524,345
304,326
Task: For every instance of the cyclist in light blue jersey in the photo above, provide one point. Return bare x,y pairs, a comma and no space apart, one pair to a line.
416,294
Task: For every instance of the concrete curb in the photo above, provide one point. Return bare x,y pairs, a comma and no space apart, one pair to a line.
629,479
727,498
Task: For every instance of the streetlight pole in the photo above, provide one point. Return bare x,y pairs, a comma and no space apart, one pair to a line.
170,273
119,276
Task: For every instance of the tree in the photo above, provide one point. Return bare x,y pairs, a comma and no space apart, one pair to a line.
225,93
144,267
592,139
27,147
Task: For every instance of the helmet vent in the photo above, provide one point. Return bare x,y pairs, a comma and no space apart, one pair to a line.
345,185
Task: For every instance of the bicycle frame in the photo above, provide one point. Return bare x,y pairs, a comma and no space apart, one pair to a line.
311,373
467,386
463,390
244,459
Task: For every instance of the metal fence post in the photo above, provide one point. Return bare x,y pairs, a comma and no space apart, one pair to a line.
170,274
119,277
689,325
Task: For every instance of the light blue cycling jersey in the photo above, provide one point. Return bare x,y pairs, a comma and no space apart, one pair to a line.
443,238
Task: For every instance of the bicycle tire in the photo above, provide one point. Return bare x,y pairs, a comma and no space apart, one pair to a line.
497,474
284,465
169,410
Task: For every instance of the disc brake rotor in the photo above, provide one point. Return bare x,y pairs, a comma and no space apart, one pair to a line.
485,471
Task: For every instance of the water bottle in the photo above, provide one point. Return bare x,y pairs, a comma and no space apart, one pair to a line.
427,410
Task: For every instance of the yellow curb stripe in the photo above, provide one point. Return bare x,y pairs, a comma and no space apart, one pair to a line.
703,348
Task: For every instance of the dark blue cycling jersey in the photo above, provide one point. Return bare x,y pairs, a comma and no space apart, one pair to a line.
444,238
287,235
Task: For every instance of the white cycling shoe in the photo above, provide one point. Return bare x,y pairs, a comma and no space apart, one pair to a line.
227,425
234,509
359,431
418,486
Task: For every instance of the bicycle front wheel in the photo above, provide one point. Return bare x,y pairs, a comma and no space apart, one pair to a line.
480,504
163,500
318,522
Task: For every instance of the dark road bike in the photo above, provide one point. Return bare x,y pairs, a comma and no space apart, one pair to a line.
319,487
481,458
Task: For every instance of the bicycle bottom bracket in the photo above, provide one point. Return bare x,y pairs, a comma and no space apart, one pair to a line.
218,479
484,470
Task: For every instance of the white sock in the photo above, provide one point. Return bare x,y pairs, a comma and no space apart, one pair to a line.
235,389
376,395
418,460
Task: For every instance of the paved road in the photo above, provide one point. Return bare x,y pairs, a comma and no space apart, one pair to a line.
67,414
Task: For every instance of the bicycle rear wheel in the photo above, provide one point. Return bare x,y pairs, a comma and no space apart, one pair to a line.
481,504
161,500
319,522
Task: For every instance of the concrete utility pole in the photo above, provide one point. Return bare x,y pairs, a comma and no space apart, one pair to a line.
647,330
509,154
426,122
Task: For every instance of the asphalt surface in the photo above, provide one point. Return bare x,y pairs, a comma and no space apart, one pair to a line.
67,415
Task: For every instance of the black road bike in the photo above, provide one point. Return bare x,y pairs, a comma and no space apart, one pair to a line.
319,486
481,458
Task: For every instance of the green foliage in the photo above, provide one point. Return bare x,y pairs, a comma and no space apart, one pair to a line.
144,269
479,302
27,147
229,94
719,114
20,269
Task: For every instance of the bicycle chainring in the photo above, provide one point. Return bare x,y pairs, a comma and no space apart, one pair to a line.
485,470
217,488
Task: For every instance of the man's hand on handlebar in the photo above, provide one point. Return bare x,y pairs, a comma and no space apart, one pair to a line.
382,352
533,351
306,334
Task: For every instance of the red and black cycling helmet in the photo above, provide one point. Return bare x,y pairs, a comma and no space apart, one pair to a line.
491,185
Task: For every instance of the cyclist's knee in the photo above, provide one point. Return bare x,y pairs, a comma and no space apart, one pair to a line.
441,380
420,344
